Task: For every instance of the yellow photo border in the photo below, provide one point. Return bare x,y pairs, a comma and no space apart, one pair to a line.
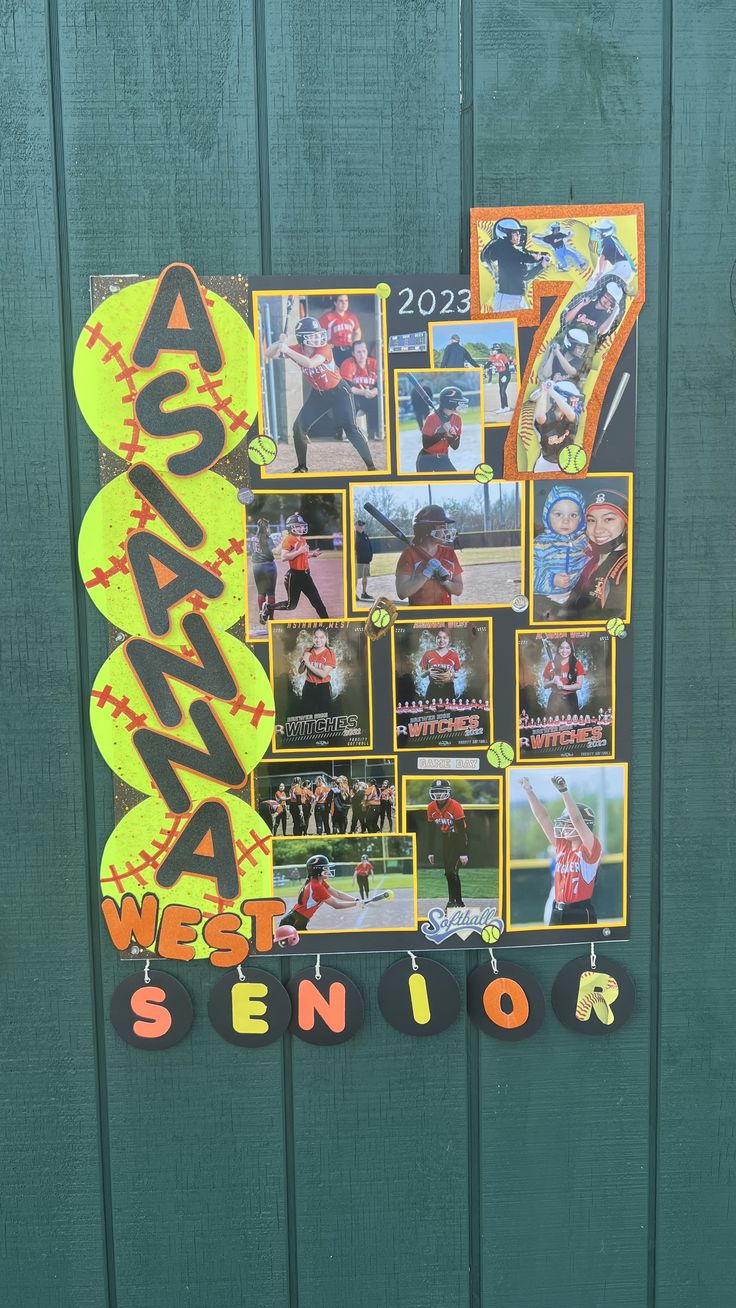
460,608
328,490
361,931
480,322
431,742
569,926
339,755
580,483
580,630
498,807
318,622
329,290
417,372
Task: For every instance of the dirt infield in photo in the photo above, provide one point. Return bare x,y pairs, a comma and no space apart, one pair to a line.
327,573
484,581
325,456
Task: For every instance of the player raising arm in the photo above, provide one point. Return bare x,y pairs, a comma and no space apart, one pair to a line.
314,893
578,854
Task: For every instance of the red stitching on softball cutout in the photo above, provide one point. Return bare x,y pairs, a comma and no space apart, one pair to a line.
260,711
261,842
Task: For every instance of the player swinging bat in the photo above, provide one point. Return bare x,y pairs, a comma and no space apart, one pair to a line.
329,392
428,571
441,429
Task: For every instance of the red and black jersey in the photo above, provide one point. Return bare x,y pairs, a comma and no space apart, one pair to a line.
300,562
432,593
434,661
342,328
446,818
311,896
433,423
575,871
357,375
363,869
322,375
327,659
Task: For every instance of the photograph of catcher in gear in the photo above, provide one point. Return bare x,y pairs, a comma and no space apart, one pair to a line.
457,824
489,344
322,380
580,819
448,406
295,540
512,266
418,559
371,884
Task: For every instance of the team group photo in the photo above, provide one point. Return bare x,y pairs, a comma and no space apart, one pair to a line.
340,796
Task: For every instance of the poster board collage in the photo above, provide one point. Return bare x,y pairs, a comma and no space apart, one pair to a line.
435,532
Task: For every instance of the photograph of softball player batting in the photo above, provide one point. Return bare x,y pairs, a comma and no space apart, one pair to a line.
439,544
566,845
490,345
321,380
438,414
318,880
456,821
296,558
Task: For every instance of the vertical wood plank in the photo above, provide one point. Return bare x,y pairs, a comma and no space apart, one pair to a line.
160,162
564,1122
48,1083
363,135
695,1255
364,161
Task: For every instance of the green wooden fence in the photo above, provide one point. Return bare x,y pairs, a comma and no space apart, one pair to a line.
325,136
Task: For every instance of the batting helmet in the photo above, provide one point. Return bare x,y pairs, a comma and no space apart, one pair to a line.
605,227
440,790
432,521
568,389
505,227
555,227
451,397
576,338
615,291
563,827
297,524
285,935
319,866
309,332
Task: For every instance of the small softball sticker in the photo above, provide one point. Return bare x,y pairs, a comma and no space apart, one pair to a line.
572,458
616,627
500,754
262,450
483,473
383,290
491,933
